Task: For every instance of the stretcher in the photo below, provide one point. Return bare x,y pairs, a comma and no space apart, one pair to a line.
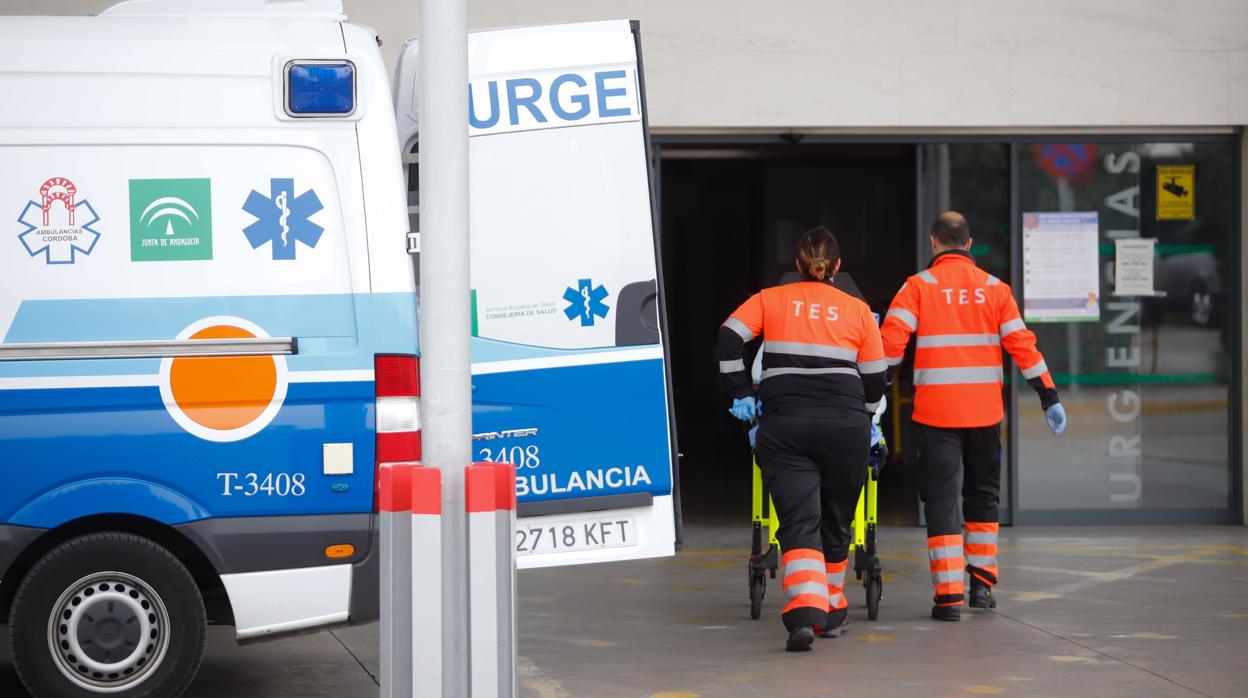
862,548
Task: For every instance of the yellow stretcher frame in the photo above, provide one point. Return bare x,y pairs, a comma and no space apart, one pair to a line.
765,561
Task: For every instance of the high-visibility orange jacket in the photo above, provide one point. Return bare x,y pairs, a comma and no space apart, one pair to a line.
962,317
821,348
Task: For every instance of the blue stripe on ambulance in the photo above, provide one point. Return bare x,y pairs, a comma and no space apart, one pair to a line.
586,445
125,454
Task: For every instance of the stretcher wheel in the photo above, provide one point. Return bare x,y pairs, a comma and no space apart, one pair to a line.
875,590
758,585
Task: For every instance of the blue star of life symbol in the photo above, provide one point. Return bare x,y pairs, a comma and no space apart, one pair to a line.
58,245
282,218
585,302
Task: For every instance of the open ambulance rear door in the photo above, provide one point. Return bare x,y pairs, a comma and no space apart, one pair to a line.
570,378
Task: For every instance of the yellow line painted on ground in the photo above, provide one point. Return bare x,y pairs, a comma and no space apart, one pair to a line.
1185,407
872,637
1071,659
1053,570
594,643
1111,548
1125,573
674,694
708,565
531,677
980,689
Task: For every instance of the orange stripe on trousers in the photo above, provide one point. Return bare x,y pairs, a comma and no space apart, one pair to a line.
945,564
943,541
814,601
949,589
985,549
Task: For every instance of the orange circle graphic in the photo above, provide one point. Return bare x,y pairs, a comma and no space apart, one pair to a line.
223,393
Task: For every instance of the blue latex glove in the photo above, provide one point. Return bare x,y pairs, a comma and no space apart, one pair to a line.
753,435
744,409
876,435
1055,415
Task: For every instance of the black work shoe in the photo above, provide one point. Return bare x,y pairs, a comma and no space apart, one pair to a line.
800,639
837,631
952,614
981,595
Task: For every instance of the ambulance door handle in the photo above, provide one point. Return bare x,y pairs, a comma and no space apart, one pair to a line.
637,314
149,349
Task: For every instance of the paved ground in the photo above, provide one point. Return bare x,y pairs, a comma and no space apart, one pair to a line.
1104,612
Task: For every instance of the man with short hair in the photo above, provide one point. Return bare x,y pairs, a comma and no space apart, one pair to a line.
962,317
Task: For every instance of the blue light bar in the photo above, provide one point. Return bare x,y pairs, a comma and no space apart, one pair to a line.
314,89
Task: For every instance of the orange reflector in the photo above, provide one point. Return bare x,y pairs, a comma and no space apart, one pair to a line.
344,550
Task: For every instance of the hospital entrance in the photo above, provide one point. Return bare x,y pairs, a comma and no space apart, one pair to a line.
731,218
1147,380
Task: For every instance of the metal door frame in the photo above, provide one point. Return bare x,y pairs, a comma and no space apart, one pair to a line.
1013,139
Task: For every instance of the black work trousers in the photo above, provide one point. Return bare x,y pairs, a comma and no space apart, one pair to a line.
814,467
976,451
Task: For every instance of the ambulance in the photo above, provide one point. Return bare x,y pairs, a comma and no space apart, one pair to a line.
209,229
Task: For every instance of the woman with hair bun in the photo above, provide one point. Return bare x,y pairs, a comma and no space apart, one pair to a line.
822,378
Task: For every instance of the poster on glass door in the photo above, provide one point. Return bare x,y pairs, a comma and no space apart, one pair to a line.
1061,278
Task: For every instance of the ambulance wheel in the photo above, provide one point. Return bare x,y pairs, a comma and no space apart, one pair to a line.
875,590
758,585
107,614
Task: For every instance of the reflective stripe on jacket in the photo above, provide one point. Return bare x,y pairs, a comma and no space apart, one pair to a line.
821,348
962,316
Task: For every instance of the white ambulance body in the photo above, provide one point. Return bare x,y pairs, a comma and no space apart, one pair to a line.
570,381
208,307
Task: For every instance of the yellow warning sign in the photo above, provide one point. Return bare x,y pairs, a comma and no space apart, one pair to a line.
1176,192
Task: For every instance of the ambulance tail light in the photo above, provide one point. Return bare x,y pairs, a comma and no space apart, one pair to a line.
397,393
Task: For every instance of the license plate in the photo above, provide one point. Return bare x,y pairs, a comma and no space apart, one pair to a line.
581,534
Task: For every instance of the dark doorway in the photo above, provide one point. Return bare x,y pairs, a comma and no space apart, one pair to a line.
731,218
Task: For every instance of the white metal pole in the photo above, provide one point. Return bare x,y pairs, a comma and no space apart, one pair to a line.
445,326
426,577
394,512
483,592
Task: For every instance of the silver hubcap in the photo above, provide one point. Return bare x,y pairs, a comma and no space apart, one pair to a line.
108,632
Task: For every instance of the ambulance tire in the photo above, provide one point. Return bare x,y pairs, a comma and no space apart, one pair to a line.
54,617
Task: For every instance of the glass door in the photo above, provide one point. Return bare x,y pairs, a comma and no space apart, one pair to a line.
973,179
1147,378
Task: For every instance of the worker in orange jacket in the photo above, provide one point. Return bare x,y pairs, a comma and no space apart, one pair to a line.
963,317
823,375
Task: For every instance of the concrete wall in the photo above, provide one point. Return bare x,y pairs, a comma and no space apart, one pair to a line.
920,63
829,64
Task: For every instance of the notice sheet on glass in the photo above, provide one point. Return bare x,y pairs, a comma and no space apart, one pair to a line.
1133,266
1061,279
